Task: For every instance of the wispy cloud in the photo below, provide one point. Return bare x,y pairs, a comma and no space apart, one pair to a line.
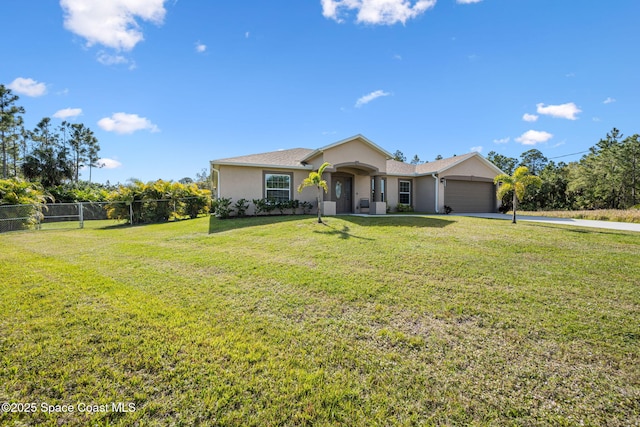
111,59
201,47
529,117
370,97
477,149
124,123
533,137
28,87
112,24
468,1
376,12
609,100
67,113
563,111
502,140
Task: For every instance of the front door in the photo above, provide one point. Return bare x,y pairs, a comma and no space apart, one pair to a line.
341,193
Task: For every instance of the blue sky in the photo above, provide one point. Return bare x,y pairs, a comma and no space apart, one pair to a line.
169,85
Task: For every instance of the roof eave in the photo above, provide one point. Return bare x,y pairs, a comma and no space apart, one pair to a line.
261,165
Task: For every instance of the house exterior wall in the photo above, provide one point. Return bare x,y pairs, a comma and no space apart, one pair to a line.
240,182
391,192
350,152
424,194
470,167
362,190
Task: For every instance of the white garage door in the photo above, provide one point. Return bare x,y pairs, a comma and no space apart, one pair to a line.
470,196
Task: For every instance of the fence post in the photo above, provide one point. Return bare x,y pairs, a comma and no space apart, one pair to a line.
130,213
81,215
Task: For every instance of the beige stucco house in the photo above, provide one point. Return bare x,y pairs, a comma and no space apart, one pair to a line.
363,178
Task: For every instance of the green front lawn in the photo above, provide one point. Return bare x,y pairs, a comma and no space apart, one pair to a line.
394,320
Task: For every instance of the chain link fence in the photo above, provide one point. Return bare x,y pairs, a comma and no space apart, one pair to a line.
75,215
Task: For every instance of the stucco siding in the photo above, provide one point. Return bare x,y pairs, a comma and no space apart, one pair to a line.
470,167
351,151
391,192
237,182
424,194
362,190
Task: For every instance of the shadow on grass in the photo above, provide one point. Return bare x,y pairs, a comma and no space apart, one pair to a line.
343,233
217,225
399,221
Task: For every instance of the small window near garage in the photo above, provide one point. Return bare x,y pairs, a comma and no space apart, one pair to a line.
404,192
277,186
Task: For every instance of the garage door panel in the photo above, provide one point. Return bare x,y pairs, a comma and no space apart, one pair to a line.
470,196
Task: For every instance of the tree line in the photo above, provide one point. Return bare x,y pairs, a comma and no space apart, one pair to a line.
607,177
48,154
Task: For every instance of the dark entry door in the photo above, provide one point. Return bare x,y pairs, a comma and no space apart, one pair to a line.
341,193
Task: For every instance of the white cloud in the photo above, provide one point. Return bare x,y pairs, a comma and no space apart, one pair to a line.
502,140
529,117
247,35
67,113
477,149
533,137
111,23
108,59
107,163
124,123
468,1
563,111
385,12
200,47
370,97
609,100
28,87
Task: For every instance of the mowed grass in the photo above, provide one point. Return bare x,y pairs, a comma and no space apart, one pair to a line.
619,215
363,321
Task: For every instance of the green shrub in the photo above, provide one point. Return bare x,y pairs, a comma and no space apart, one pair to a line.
404,208
222,207
241,207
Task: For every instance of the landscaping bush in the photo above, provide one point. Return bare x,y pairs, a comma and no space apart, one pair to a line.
404,208
222,207
241,207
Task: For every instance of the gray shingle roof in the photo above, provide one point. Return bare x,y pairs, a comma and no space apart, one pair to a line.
285,158
292,158
438,165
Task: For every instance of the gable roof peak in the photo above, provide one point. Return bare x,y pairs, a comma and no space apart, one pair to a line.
359,136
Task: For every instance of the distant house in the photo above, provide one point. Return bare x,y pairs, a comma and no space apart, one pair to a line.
363,178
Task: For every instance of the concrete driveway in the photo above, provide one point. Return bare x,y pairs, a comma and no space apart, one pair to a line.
609,225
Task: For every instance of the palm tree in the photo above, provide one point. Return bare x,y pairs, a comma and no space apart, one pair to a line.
518,183
315,180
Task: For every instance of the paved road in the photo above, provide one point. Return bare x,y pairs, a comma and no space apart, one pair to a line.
609,225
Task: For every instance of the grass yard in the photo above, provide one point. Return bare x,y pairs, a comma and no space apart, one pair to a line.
384,321
619,215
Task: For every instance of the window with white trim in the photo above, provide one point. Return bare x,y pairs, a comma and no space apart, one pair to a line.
404,195
277,186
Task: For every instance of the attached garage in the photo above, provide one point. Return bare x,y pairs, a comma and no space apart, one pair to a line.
470,196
